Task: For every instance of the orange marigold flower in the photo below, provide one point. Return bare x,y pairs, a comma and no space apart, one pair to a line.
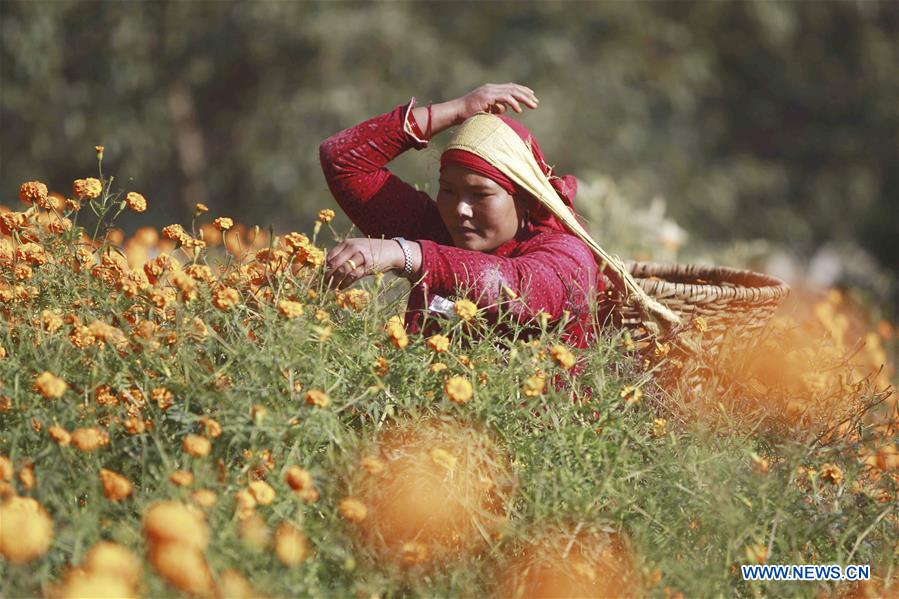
223,223
397,332
115,486
438,343
175,232
534,385
27,530
136,201
81,336
353,510
87,189
183,566
175,522
290,545
298,479
317,398
32,253
289,309
262,492
225,298
465,309
438,367
204,498
382,366
563,356
113,560
831,473
356,299
196,445
59,435
89,439
700,324
33,192
458,389
182,478
49,385
211,427
325,215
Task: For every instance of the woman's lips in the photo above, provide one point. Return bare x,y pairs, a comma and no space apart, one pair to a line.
466,230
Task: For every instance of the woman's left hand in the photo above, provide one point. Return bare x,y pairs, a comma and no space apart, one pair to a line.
353,259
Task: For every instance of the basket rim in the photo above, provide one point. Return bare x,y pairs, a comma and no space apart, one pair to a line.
750,285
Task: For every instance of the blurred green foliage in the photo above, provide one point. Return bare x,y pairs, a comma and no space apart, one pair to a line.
773,120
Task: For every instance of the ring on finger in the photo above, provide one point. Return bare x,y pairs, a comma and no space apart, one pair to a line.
352,263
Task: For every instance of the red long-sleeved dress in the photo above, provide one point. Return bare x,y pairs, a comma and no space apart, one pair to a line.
549,270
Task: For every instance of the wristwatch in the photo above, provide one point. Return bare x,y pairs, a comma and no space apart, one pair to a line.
407,253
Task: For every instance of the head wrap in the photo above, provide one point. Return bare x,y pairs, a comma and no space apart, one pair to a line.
566,186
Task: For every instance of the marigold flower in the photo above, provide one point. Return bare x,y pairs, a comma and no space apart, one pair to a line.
89,439
196,445
563,356
182,478
438,343
353,510
81,336
458,389
87,189
49,385
182,566
325,215
174,522
262,492
113,560
33,192
31,253
115,486
290,545
225,298
59,435
204,498
382,366
27,477
136,201
317,398
831,473
631,394
659,427
200,208
534,385
700,324
373,465
254,532
438,367
211,427
27,530
465,309
356,299
163,397
289,309
298,479
223,223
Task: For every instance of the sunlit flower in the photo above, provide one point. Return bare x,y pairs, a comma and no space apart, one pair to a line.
33,192
182,566
289,309
211,427
59,435
115,486
465,309
534,385
325,215
563,356
49,385
27,530
356,299
659,427
246,504
262,492
223,223
831,473
87,189
353,510
6,468
438,367
438,343
81,336
700,324
317,398
175,522
414,552
291,547
254,532
204,498
225,298
136,201
631,394
27,477
458,389
89,439
113,560
196,445
200,208
182,478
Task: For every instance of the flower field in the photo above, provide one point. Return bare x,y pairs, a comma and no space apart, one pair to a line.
193,411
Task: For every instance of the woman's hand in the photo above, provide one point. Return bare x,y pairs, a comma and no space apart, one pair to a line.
495,98
353,259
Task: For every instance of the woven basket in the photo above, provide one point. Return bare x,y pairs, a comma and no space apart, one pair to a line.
716,305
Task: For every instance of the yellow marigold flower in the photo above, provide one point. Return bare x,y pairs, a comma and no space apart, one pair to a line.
32,253
113,560
414,552
353,510
196,445
325,215
659,428
631,394
534,385
465,309
211,427
89,439
660,350
81,336
443,458
136,201
458,389
225,298
289,309
298,479
183,566
223,223
373,465
254,532
356,299
182,478
382,367
317,398
200,208
262,492
204,498
50,321
33,192
87,189
438,367
27,530
438,343
49,385
700,324
290,545
563,356
115,486
831,473
175,522
246,504
59,435
163,397
175,232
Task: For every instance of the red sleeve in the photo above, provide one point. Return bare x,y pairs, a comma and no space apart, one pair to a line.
554,272
376,200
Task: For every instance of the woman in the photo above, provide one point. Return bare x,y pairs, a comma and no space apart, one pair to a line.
485,236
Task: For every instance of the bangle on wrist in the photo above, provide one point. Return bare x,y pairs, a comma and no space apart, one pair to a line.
407,255
428,131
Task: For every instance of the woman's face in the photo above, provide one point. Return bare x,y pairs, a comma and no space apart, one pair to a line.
478,212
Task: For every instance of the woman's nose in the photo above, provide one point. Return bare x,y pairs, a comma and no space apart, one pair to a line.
463,209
